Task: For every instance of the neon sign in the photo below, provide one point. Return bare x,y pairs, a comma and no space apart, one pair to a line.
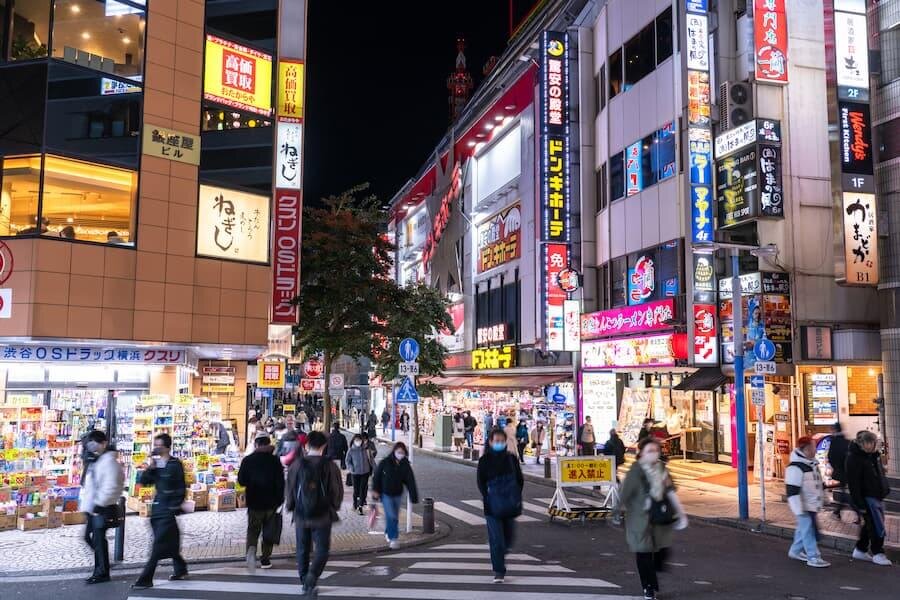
443,215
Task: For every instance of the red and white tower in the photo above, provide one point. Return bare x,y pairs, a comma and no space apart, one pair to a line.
459,83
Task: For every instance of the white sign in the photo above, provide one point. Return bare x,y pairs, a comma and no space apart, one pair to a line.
572,323
233,225
758,396
764,367
851,47
735,139
336,381
598,394
288,162
6,303
860,238
697,43
751,283
408,368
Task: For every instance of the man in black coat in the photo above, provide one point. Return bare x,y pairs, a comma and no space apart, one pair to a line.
500,482
263,476
837,457
337,445
868,489
614,446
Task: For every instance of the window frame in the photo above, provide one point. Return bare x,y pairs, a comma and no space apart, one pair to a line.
613,197
621,79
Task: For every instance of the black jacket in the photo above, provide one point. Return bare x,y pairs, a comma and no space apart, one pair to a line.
337,445
837,457
169,485
263,476
469,424
615,447
391,475
865,476
493,464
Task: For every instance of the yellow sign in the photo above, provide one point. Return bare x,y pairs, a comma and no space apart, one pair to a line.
171,144
586,471
237,76
289,408
290,90
271,374
494,358
232,225
217,388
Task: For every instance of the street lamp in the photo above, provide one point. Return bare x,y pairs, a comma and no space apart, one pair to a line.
769,250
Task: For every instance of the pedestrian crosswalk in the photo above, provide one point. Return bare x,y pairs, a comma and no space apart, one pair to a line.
470,512
441,572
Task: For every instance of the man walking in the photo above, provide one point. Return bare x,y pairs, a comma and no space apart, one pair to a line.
385,421
263,476
337,445
500,482
166,474
586,437
805,497
469,424
100,492
837,457
313,494
868,489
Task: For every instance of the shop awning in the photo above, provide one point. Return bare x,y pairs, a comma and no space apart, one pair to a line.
704,378
499,382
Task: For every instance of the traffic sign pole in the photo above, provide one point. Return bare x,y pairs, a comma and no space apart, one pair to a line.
740,405
409,504
760,414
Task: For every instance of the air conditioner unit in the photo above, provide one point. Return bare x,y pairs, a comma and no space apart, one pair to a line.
735,104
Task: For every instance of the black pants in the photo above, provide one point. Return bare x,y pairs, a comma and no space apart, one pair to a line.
166,544
306,537
360,490
649,564
501,534
257,520
587,448
521,447
95,536
869,540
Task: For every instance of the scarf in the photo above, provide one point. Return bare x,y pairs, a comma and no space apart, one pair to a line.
657,477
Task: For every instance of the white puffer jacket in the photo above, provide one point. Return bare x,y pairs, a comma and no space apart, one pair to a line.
103,484
804,484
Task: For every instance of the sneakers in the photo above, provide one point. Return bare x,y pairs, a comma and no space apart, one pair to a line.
359,510
882,560
181,577
818,562
140,585
649,594
394,545
265,564
798,556
498,578
251,560
97,579
860,555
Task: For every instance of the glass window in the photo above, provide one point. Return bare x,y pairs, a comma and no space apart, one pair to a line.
19,196
481,309
86,201
663,154
511,308
601,89
602,192
615,73
30,32
105,35
648,173
603,287
618,281
888,136
640,56
616,176
22,109
496,305
667,270
664,35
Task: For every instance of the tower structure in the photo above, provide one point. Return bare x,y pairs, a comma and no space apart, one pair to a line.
459,83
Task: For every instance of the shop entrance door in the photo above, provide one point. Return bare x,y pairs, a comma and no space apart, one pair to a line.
724,420
702,441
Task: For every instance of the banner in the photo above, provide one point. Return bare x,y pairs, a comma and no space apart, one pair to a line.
499,239
770,40
237,76
635,408
232,225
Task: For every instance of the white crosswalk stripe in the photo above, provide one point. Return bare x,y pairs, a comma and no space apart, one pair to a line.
521,518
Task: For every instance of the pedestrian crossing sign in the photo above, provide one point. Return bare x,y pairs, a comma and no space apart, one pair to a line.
406,393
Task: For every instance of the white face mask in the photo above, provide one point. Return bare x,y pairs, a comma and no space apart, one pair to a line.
357,443
313,451
649,457
399,455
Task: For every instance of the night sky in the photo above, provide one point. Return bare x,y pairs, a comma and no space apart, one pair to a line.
377,85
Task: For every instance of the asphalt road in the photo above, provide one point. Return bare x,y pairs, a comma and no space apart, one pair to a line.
559,560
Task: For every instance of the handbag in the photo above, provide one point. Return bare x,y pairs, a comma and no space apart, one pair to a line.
349,480
113,516
662,512
504,498
271,532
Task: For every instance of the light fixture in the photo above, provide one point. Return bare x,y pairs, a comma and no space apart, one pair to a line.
471,144
488,126
479,146
871,372
126,40
498,118
75,8
85,35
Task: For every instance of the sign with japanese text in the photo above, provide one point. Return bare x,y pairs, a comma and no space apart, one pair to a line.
771,194
455,340
699,112
556,259
163,142
288,162
494,358
586,471
237,76
697,42
816,343
641,280
92,354
770,40
856,138
499,239
572,318
704,278
114,87
289,107
286,257
442,218
634,181
555,136
270,374
736,188
232,225
706,340
648,351
851,48
756,130
701,214
860,238
652,316
697,6
699,101
493,334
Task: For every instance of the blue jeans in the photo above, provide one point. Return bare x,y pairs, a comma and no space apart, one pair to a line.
470,438
500,538
306,538
805,536
391,506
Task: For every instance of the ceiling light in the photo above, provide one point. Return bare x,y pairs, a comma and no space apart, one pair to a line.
471,144
510,107
75,8
488,126
126,40
481,135
85,35
498,118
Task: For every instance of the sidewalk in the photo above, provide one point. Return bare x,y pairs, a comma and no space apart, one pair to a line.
719,504
205,537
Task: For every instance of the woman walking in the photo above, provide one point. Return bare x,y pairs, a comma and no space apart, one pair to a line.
360,465
459,431
652,510
521,439
500,482
538,434
391,475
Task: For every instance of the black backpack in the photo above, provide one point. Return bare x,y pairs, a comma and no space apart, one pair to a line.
312,493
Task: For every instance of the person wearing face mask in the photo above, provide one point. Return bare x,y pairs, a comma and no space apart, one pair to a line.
101,489
805,496
360,464
868,488
500,482
166,474
652,510
392,474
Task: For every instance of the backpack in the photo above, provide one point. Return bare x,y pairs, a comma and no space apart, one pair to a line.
312,497
504,498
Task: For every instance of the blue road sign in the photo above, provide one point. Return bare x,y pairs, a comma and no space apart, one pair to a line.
757,382
764,349
409,350
406,393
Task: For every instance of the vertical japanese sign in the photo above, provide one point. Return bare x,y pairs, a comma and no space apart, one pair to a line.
634,181
555,195
288,174
290,90
286,266
770,40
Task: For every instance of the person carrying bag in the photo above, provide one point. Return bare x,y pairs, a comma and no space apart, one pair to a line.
103,484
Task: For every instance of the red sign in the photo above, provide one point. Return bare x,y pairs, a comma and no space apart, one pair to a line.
286,271
628,319
706,343
313,368
771,40
6,262
499,239
569,280
238,72
556,261
643,351
443,215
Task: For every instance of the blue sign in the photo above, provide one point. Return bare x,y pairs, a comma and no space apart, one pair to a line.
764,350
757,382
406,393
697,6
409,350
700,155
701,214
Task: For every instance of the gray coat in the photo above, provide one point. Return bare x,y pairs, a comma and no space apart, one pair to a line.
359,460
634,499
